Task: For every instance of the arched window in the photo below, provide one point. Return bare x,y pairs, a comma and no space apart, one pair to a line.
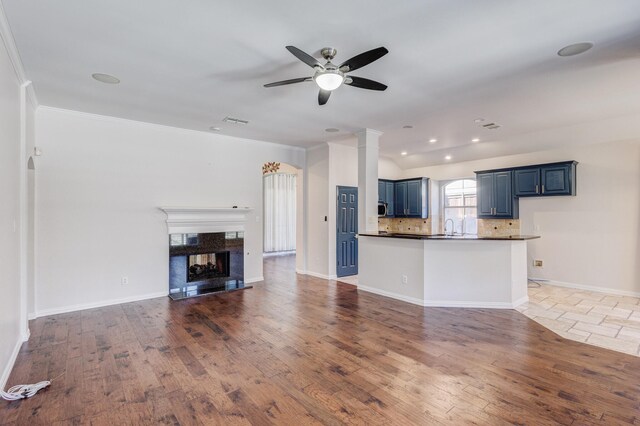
459,206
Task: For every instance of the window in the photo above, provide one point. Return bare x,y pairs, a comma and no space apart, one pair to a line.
459,205
183,240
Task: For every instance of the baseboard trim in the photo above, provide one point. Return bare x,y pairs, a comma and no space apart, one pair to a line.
253,280
9,367
523,299
408,299
444,303
318,275
84,306
588,287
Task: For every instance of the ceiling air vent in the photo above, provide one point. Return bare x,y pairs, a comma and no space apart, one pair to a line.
234,120
491,126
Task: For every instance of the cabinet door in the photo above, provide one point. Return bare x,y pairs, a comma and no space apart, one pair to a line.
502,195
414,198
485,194
555,180
400,198
527,182
389,189
382,188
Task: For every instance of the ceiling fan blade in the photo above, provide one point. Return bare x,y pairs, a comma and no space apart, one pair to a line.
363,59
323,96
364,83
292,81
305,57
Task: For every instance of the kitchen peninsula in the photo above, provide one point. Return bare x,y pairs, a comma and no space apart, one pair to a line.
445,271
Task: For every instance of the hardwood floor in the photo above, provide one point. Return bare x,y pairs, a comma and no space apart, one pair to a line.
300,350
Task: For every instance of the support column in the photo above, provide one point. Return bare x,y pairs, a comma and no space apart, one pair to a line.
368,141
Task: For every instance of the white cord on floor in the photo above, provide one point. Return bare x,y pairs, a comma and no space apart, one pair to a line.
23,391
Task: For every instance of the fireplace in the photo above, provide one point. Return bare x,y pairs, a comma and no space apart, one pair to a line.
205,266
205,263
206,250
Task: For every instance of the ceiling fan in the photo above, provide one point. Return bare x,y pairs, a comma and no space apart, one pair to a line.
329,76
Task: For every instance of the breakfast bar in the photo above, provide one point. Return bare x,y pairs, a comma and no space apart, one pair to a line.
445,271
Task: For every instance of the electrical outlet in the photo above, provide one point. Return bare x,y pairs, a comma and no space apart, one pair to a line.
125,280
404,279
537,263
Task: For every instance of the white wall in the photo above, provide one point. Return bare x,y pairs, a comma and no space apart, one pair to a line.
30,205
100,182
388,169
331,165
590,240
317,209
10,301
343,171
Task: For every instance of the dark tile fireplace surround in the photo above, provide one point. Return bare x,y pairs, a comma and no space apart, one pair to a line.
205,263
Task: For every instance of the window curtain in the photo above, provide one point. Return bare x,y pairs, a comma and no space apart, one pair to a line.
279,212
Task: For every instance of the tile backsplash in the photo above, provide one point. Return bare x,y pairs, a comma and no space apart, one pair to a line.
486,227
498,227
405,226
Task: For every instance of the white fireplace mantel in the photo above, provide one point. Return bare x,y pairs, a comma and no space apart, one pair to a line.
183,220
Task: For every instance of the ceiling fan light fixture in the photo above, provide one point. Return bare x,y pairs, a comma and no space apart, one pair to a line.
329,80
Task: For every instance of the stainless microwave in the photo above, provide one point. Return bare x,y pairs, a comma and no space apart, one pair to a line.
382,209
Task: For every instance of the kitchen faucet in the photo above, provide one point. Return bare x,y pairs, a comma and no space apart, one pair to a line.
452,226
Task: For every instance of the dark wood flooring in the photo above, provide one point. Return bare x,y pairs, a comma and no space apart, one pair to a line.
298,350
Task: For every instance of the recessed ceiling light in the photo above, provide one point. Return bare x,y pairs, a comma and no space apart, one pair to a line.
575,49
478,120
105,78
447,157
433,140
331,130
407,126
403,153
474,140
215,129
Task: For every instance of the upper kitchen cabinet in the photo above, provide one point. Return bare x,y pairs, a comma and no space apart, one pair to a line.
545,180
390,190
386,194
412,198
495,195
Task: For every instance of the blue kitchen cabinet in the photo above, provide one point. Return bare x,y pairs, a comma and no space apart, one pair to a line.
400,198
495,196
412,198
545,180
386,195
526,182
558,179
390,195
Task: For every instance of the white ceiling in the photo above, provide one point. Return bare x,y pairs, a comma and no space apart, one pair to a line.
191,63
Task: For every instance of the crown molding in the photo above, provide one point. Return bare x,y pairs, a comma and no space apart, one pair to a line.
9,42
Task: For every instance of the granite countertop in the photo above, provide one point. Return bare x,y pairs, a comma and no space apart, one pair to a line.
449,237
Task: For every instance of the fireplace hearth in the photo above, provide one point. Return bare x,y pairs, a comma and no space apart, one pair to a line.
205,263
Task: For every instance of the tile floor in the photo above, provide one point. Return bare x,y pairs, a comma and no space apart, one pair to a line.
599,319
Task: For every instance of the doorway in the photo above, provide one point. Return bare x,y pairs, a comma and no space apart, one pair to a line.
281,210
347,231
